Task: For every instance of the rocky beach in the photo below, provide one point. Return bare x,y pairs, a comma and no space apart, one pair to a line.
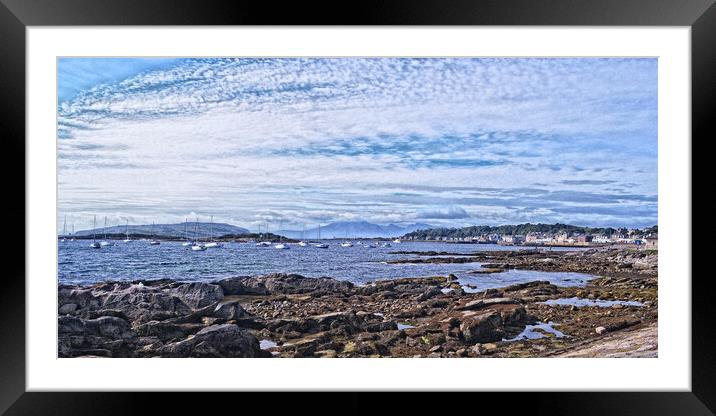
288,315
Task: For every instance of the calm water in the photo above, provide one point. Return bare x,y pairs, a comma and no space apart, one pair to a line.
78,263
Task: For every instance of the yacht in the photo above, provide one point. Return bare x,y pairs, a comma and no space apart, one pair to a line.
397,241
198,247
105,243
347,244
186,242
126,233
212,244
319,244
302,243
280,245
94,244
153,241
64,230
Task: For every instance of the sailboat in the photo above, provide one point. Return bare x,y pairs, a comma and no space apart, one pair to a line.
94,244
195,246
320,245
105,242
303,243
264,243
347,243
212,244
397,241
280,245
153,241
64,230
187,242
126,233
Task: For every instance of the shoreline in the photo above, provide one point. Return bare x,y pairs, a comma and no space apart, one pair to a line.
295,316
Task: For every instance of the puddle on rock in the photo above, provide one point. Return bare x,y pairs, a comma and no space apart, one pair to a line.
531,332
266,344
575,301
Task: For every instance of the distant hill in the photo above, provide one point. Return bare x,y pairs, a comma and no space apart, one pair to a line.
354,229
168,230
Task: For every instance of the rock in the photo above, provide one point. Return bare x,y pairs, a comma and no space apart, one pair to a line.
430,293
482,303
229,310
478,349
326,353
280,283
165,331
227,341
482,328
382,326
70,325
349,348
108,326
600,330
198,295
516,316
108,312
67,308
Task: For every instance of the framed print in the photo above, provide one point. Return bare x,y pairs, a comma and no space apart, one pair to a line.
405,198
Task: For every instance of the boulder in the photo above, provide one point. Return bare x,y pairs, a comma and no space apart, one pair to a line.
227,341
281,283
165,331
198,295
429,293
67,308
483,327
482,303
70,325
109,327
229,310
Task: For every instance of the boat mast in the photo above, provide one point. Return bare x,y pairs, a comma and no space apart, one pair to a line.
64,227
196,229
94,229
105,227
211,228
126,230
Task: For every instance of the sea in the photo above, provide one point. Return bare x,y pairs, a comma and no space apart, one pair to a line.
137,260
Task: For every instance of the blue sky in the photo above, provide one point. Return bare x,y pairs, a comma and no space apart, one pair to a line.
389,140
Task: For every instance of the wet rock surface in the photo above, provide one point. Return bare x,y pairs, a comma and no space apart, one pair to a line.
297,316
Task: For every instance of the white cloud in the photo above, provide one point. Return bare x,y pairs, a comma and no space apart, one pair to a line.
235,137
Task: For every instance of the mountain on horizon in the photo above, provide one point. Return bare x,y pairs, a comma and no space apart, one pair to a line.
193,230
354,229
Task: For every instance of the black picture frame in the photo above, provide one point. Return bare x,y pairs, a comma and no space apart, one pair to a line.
16,15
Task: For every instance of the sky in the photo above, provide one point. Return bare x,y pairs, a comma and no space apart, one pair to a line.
447,142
